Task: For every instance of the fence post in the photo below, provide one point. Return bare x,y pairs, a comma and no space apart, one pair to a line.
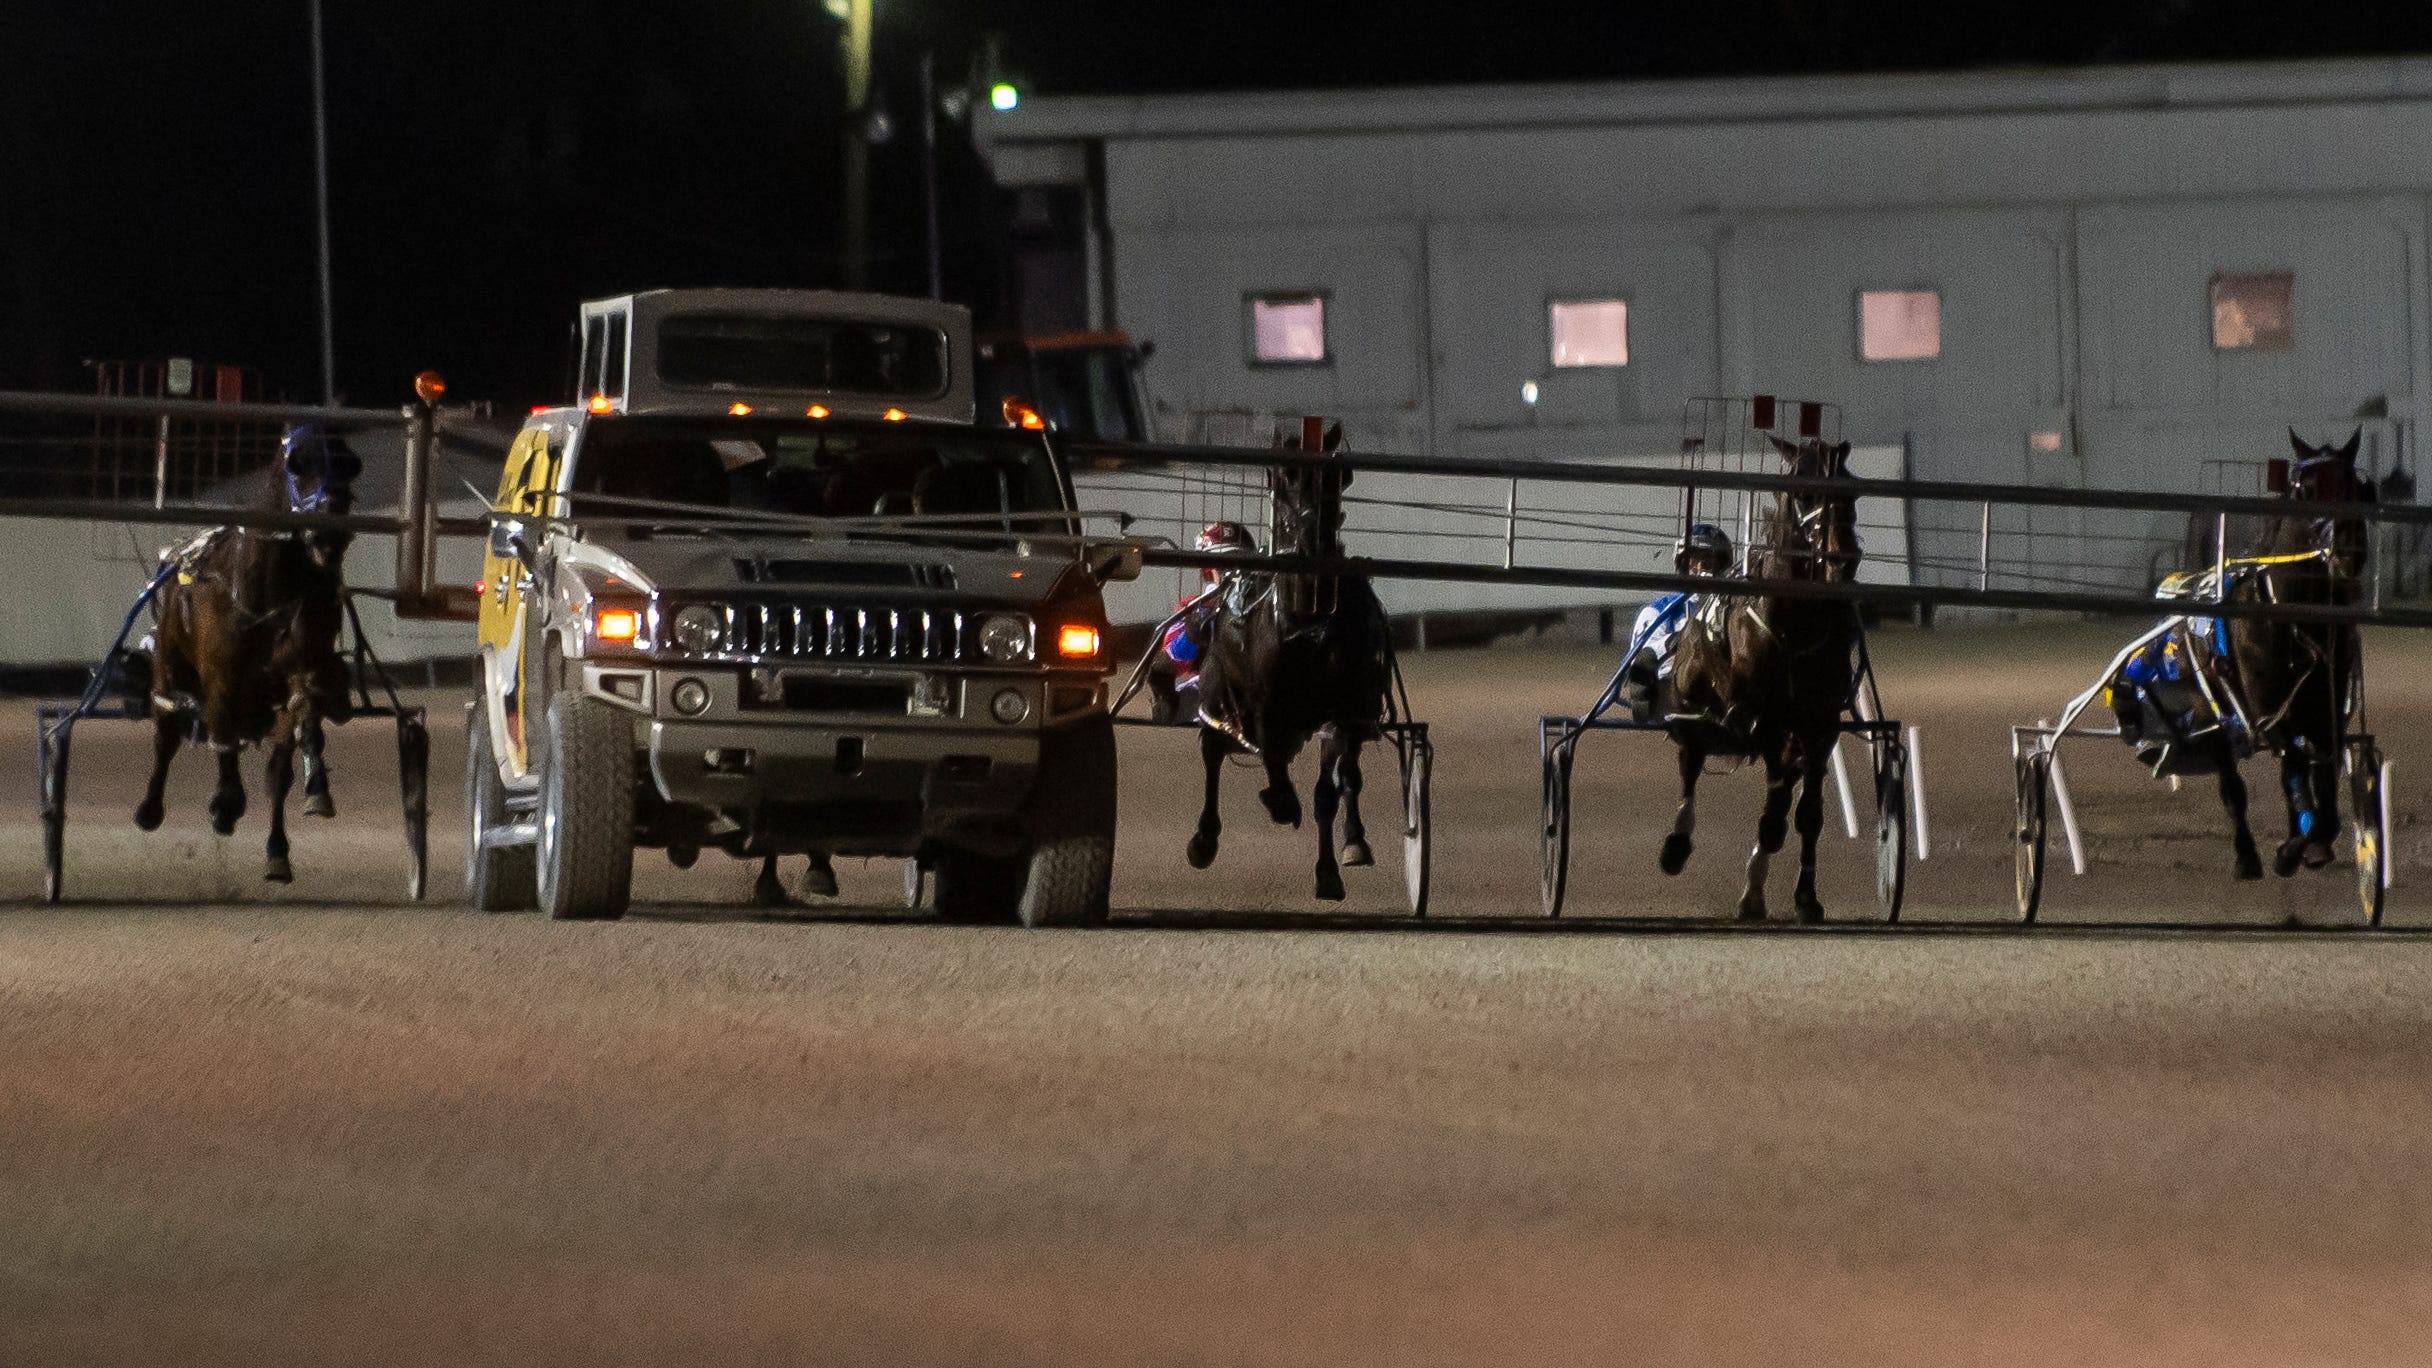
414,504
1511,523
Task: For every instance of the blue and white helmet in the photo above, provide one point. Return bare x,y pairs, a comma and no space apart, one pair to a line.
1702,539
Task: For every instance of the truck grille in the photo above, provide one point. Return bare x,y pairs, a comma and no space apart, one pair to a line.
877,636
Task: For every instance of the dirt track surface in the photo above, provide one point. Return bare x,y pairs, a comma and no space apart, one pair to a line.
319,1125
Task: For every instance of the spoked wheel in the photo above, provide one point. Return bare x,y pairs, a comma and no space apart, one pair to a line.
51,743
1554,838
916,883
2370,826
414,781
1891,825
2034,782
1418,769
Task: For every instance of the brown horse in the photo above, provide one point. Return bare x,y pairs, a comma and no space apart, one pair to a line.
1773,679
246,649
1290,657
2297,679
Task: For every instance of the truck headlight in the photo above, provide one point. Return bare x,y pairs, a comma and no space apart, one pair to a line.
700,629
1005,638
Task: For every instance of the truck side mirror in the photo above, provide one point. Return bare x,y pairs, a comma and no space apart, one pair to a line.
1111,562
507,540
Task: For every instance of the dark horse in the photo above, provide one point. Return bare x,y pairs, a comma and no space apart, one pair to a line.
2296,679
1295,656
246,649
1771,676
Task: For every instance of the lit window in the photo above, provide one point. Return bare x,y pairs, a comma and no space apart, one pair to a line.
1288,329
2252,311
1899,325
1589,332
2046,440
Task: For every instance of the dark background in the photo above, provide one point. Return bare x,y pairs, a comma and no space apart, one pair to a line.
493,162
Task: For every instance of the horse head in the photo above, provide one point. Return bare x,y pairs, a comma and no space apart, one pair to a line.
2320,475
1308,518
1815,532
316,474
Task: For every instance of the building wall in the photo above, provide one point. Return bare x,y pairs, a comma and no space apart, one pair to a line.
2071,224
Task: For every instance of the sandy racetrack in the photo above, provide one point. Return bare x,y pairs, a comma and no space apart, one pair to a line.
315,1124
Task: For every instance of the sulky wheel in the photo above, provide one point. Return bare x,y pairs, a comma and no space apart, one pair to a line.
916,883
414,780
1554,839
51,742
1891,825
1418,772
2370,827
2034,782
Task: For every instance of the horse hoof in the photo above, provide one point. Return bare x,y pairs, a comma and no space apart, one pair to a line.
1329,886
320,805
768,892
1810,911
2285,862
1676,855
147,816
277,871
223,824
1752,909
2250,866
1202,852
1357,855
2317,855
1283,805
819,881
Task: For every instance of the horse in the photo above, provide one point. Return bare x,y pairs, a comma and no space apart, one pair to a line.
1291,657
1769,677
245,650
2295,679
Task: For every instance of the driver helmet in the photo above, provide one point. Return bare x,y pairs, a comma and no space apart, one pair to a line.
1703,540
1220,538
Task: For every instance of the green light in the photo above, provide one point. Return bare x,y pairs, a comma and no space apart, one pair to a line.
1002,97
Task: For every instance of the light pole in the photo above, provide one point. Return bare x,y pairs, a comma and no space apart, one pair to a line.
858,20
320,181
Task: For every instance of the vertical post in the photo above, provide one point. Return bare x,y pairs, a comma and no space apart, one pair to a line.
2220,558
1511,523
1916,795
928,165
320,182
857,25
1984,549
414,505
160,463
2068,812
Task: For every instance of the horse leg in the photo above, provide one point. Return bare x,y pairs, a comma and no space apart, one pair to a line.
1213,746
1326,795
1771,829
768,890
1280,799
1356,854
819,880
2233,797
278,776
317,802
2297,791
1677,846
2325,828
228,799
168,732
1810,819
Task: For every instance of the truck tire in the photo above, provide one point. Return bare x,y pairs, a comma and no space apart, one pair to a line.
1072,811
586,809
501,878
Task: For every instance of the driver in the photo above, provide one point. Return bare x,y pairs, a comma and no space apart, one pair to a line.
1705,551
1186,641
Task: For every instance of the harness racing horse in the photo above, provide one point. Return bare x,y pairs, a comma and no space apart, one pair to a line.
2296,679
1290,657
1769,677
246,649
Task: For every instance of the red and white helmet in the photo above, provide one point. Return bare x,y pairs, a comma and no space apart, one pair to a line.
1225,536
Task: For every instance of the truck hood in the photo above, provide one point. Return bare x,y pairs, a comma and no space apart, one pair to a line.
686,564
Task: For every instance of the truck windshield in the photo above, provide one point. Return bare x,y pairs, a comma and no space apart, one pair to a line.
747,352
819,469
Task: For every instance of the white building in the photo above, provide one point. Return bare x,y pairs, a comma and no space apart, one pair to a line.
2100,277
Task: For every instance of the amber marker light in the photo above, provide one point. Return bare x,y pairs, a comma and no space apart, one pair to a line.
428,387
599,403
893,415
816,411
1076,639
738,410
1023,416
618,624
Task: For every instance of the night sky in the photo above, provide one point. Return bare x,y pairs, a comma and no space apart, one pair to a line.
495,161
